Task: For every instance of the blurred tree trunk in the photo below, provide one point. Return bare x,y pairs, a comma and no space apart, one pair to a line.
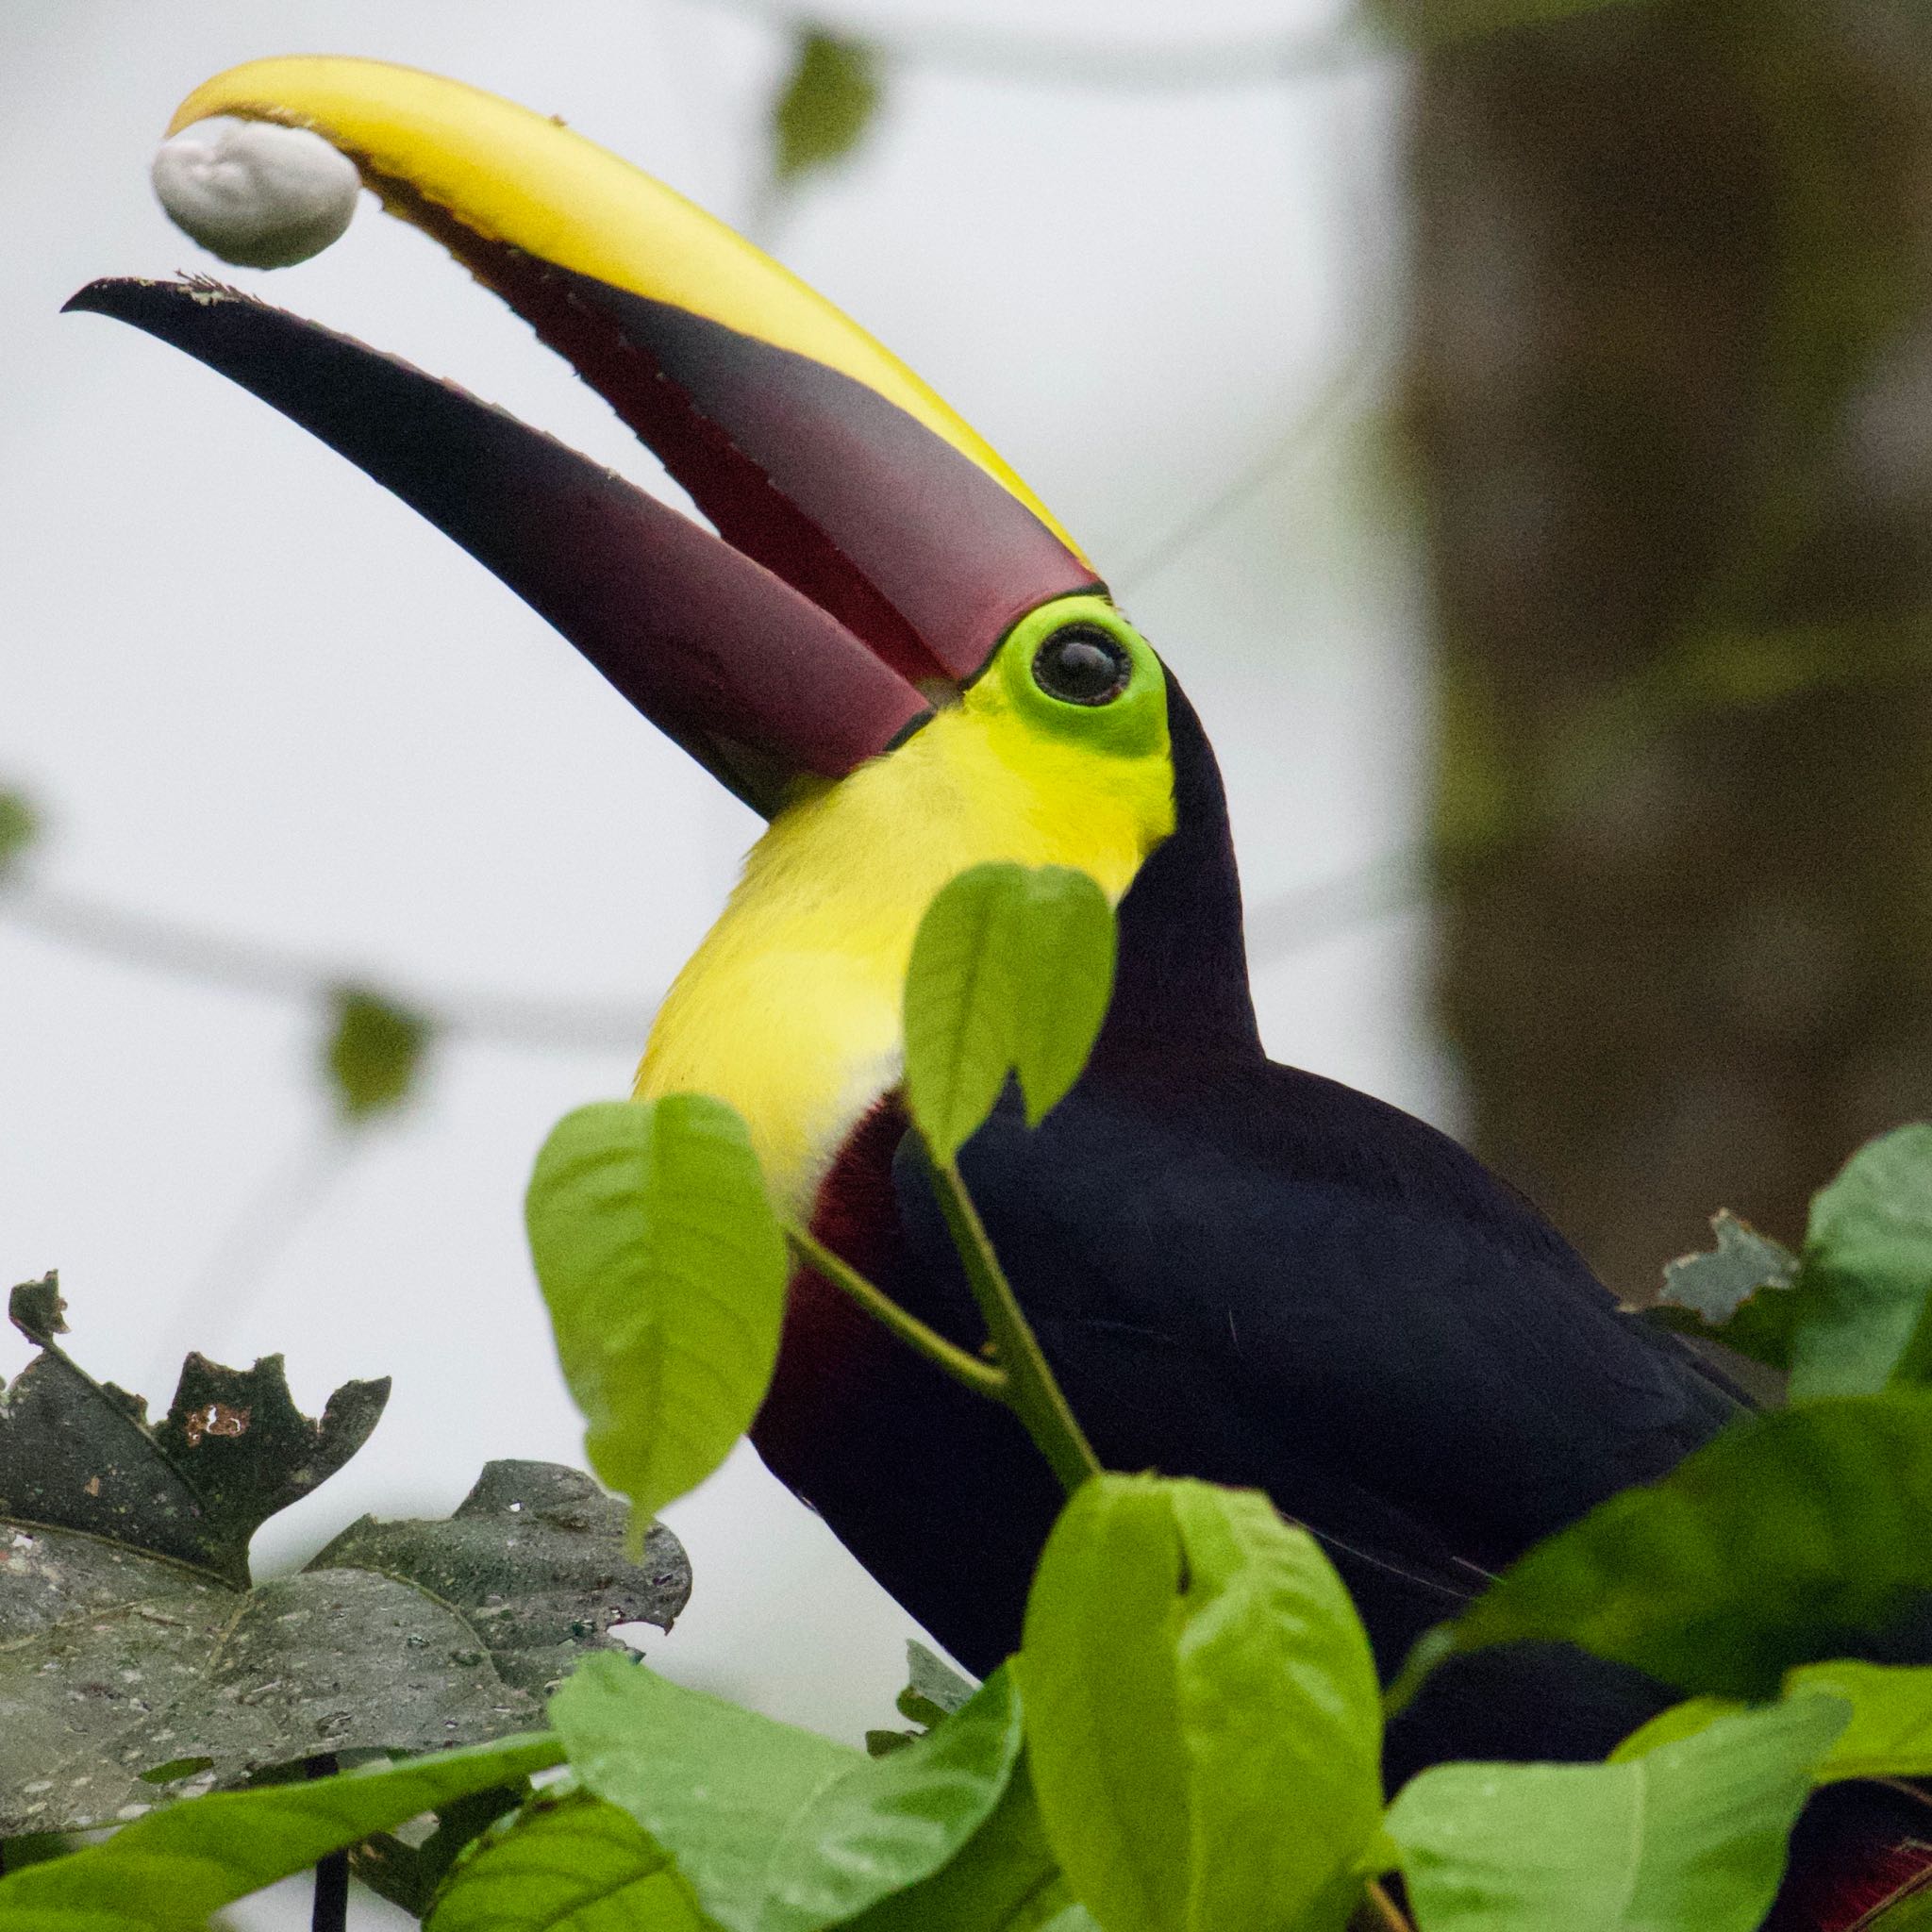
1669,398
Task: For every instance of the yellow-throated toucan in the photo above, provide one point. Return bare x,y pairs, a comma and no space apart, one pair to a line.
895,654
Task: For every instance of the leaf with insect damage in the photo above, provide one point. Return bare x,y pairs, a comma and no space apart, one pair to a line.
137,1663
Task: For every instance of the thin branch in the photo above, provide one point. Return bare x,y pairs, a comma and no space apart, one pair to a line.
331,1911
1031,1391
1330,401
1246,60
1385,1907
1285,923
187,952
238,1269
979,1376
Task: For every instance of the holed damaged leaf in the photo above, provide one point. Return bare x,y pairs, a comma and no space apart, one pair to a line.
1739,1291
233,1449
129,1670
534,1558
1853,1315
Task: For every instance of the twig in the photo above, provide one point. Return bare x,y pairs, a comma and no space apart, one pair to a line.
1031,1391
1385,1907
1284,923
979,1376
268,1220
331,1913
165,945
1329,402
1246,61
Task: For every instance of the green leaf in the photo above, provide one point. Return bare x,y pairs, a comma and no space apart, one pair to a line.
408,1871
1790,1539
1004,1879
373,1052
169,1870
534,1560
892,1822
934,1689
716,1786
571,1864
1867,1275
1851,1317
20,826
664,1269
1738,1292
1890,1734
826,104
1691,1835
233,1449
777,1830
1011,972
136,1663
1202,1711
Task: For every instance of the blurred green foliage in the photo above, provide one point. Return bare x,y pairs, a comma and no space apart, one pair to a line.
20,826
826,104
373,1052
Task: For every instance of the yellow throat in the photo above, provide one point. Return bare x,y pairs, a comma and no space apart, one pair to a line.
789,1010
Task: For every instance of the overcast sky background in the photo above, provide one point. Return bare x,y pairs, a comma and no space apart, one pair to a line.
253,694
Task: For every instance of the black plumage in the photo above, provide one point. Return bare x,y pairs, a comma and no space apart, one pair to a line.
1252,1275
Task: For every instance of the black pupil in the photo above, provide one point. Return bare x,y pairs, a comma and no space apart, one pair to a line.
1081,665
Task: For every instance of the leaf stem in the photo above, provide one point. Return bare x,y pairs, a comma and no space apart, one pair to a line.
1031,1390
1385,1907
331,1907
979,1376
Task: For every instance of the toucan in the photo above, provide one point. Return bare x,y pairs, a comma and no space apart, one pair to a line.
894,653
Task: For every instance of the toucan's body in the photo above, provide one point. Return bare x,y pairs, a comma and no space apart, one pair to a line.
1239,1271
1250,1274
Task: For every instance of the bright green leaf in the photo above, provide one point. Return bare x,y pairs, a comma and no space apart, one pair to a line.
1202,1713
826,104
169,1870
777,1830
1890,1734
1011,972
892,1822
571,1864
1867,1276
1691,1835
1790,1539
20,826
1674,1725
716,1786
664,1269
375,1051
1004,1879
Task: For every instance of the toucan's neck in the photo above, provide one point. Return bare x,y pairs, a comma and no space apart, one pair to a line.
1181,988
790,1008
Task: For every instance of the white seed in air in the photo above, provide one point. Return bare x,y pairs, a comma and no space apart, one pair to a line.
255,193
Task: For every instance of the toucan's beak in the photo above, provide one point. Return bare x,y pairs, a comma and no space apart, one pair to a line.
874,549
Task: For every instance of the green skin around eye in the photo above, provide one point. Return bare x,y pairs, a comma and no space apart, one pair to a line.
1133,726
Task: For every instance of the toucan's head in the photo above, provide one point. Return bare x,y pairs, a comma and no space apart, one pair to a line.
889,648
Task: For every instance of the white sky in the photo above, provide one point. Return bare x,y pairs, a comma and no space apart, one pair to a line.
254,694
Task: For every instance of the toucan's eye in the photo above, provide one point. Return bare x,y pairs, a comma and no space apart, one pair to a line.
1080,664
